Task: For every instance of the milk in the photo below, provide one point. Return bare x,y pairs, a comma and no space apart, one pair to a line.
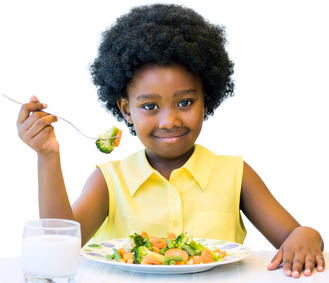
51,255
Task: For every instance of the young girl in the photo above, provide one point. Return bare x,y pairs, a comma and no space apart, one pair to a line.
164,70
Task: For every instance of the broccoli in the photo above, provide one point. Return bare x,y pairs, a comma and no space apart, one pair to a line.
141,252
182,240
196,247
107,141
137,241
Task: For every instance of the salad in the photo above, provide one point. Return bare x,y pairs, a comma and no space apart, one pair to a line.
169,250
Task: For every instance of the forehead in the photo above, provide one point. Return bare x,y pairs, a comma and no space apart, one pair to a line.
159,79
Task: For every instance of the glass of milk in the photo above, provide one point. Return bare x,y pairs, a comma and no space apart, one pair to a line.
51,250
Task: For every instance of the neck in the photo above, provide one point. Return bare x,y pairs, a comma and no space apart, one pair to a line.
164,165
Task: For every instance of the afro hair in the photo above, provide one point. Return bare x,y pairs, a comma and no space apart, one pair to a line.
162,34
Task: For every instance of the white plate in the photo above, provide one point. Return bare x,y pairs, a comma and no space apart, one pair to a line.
99,251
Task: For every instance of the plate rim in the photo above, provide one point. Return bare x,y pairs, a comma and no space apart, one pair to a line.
169,269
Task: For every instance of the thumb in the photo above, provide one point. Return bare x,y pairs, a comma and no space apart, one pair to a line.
276,260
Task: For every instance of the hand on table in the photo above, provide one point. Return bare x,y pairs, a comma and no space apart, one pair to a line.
301,250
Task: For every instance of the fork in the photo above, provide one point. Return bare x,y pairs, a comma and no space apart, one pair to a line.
61,118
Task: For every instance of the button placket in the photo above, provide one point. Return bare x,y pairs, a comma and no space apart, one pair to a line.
177,213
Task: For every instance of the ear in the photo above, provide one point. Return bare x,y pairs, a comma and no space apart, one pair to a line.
123,105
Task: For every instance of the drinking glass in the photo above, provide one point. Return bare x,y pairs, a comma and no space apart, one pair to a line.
51,250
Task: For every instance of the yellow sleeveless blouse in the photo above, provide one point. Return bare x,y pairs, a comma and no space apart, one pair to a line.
201,198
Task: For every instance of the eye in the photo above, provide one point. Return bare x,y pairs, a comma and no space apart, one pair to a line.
150,106
185,102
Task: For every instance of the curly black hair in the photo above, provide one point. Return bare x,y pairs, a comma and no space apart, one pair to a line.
162,34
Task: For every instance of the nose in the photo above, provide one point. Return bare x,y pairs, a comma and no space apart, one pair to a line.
169,119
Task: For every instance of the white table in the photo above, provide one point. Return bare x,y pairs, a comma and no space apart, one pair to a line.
252,269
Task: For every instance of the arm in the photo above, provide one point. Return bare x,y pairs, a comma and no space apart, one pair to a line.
90,209
35,129
297,245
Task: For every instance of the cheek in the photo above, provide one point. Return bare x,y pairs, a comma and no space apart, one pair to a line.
195,120
142,123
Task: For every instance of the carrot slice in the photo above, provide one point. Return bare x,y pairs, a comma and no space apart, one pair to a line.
128,256
158,242
156,249
207,256
118,138
197,259
122,252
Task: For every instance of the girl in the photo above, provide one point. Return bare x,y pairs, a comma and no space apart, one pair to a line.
163,70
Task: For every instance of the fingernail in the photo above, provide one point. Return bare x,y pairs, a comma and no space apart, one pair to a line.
320,268
44,105
307,272
288,272
295,274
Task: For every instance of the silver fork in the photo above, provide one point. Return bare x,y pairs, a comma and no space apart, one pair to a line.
77,129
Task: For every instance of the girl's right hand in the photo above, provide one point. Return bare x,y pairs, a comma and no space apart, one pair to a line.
35,129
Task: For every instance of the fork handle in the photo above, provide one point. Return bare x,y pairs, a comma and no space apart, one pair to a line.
20,103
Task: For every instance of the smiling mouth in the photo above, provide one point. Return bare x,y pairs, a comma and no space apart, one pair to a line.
171,136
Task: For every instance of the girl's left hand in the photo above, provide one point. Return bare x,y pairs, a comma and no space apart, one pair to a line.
302,249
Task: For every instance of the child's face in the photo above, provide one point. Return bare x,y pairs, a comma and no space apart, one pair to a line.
166,106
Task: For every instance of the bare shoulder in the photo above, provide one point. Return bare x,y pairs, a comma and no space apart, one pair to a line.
253,188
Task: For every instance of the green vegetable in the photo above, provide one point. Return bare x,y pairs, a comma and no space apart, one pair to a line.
182,240
110,256
163,250
140,252
105,142
117,255
172,259
188,250
171,243
137,241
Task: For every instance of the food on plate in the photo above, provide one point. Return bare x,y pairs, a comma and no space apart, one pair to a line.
108,140
170,250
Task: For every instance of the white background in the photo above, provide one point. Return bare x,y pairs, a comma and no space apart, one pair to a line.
277,120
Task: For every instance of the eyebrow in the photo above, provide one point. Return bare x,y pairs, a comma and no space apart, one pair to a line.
157,96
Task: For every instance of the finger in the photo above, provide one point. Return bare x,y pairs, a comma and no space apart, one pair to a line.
276,261
27,108
39,141
287,262
319,262
309,265
297,265
40,125
27,124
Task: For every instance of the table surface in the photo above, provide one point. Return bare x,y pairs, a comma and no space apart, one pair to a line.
251,269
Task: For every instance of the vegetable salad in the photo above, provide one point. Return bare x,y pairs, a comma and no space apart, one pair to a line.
169,250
